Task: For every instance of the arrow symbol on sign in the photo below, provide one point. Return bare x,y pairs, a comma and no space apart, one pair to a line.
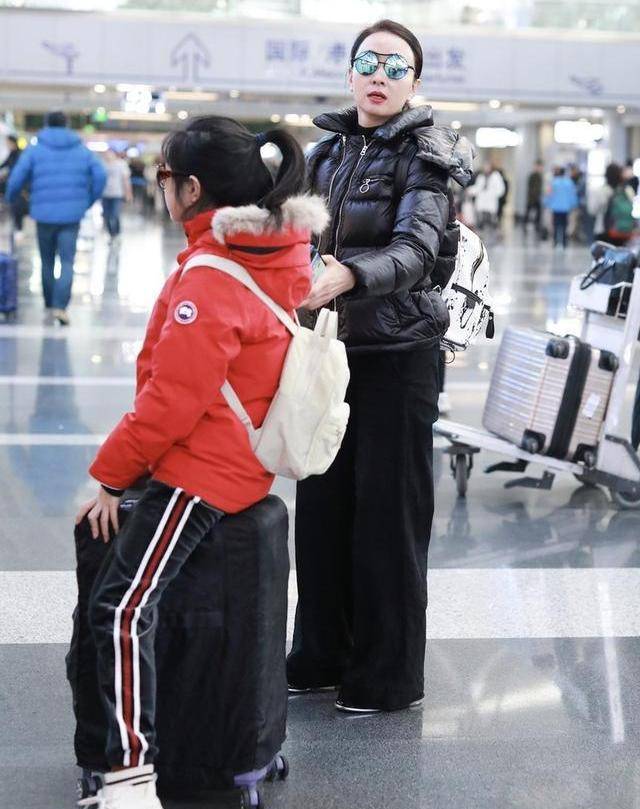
66,51
192,54
591,84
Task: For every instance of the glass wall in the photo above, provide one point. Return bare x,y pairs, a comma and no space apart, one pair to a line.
594,15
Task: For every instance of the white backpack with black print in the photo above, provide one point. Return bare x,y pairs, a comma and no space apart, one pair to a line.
307,419
467,294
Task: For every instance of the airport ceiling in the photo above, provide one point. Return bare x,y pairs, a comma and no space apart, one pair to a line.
574,15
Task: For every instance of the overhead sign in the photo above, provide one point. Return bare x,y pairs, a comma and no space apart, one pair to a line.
298,58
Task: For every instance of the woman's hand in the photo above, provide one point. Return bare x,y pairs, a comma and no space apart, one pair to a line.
335,280
102,512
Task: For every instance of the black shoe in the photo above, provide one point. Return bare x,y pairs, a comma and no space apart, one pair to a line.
341,705
310,689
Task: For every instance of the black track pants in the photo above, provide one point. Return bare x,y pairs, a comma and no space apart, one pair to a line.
164,529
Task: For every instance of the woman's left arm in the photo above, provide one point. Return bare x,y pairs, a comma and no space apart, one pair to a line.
420,224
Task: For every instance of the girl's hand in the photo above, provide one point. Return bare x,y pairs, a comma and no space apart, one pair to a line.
335,280
102,512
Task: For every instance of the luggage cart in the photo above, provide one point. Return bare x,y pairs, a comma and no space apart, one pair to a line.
611,323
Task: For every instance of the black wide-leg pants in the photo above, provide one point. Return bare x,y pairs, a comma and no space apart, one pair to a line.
362,535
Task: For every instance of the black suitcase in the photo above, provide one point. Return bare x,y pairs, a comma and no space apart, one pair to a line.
220,658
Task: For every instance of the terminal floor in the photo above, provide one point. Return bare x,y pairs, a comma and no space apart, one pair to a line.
533,656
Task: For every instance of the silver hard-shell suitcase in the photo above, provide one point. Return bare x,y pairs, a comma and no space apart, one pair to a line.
548,394
593,406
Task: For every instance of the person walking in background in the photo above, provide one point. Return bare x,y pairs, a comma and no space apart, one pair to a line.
487,190
10,160
612,207
116,191
20,206
561,200
502,201
362,529
631,180
139,183
535,182
578,229
64,179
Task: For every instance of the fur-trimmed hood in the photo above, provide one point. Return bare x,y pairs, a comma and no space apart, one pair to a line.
299,214
277,256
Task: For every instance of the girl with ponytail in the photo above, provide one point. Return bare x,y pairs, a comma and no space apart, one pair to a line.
205,328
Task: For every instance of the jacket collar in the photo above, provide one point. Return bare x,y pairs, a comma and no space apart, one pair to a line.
345,122
194,228
440,145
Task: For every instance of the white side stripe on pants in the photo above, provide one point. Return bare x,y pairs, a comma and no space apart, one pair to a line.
137,707
124,738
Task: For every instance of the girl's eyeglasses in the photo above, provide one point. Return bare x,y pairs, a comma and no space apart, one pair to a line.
395,66
163,174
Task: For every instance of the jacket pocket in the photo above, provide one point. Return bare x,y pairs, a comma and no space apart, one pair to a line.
377,184
422,314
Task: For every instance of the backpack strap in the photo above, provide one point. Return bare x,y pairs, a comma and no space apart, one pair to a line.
233,400
238,272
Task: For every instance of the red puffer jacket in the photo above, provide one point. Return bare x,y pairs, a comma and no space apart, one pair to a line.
206,327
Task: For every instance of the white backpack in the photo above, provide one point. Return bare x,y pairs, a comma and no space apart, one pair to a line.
307,419
467,293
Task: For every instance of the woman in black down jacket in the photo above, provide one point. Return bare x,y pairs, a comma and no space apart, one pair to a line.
362,529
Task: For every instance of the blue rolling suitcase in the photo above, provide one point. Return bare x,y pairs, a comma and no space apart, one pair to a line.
8,285
220,660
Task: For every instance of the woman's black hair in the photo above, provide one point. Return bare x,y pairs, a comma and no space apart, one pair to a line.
225,157
613,175
392,27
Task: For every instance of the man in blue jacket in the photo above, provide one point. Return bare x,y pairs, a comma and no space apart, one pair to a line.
65,179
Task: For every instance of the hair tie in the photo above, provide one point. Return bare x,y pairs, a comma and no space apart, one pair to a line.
261,139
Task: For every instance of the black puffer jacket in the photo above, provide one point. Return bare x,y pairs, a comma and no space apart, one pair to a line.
392,223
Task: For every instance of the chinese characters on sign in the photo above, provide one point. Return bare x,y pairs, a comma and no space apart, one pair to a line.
287,50
325,61
445,65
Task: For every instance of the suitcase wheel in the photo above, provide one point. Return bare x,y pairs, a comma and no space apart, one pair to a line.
531,444
461,466
279,769
250,798
87,785
625,500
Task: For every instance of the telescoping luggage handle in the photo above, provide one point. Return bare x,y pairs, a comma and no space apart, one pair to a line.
326,325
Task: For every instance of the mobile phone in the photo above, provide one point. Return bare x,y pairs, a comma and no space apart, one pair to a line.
317,264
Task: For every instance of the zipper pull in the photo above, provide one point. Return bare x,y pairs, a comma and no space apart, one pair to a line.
364,147
365,186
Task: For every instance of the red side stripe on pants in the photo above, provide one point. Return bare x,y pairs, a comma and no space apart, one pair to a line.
126,642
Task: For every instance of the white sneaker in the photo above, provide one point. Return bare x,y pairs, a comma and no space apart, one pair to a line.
444,403
61,316
133,788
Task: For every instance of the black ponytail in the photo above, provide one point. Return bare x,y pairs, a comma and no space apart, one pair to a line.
225,157
290,178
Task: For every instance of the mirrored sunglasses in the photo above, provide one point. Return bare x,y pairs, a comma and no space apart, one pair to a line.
395,66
